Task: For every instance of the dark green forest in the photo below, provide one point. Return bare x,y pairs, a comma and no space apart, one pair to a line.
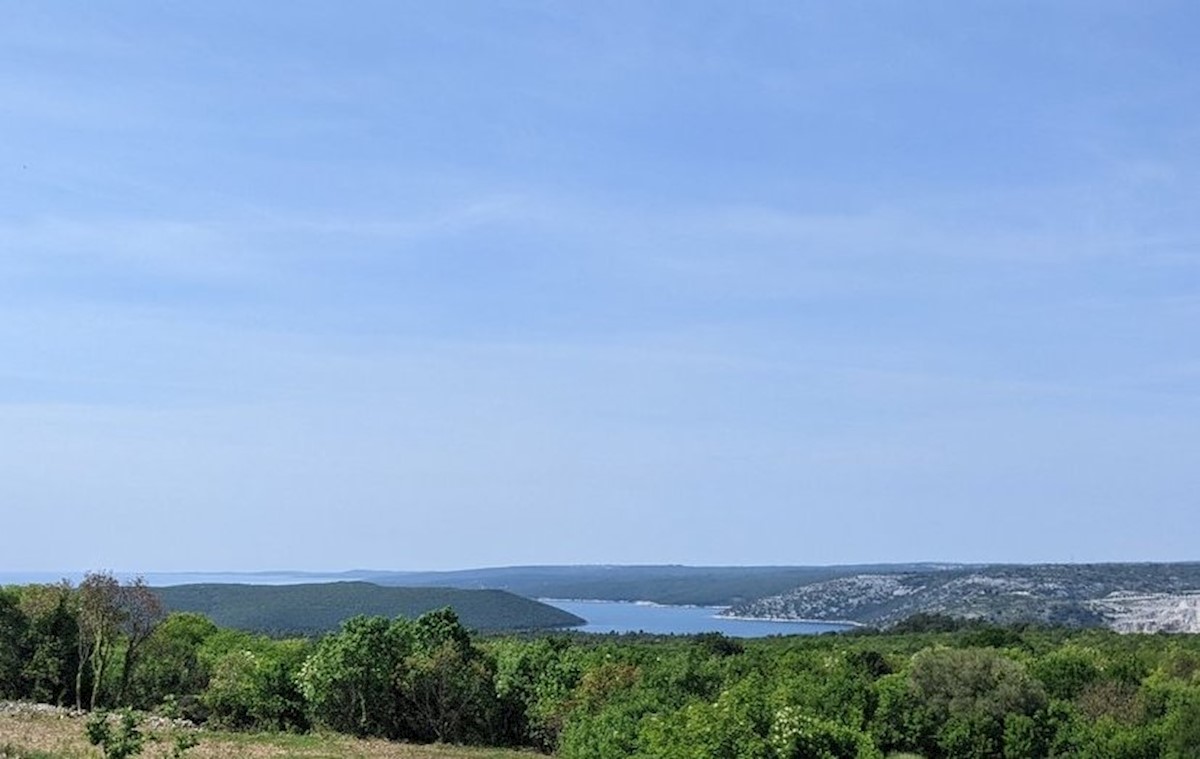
315,608
932,686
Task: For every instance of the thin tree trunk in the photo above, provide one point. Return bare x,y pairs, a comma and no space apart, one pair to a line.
127,665
99,664
79,686
84,658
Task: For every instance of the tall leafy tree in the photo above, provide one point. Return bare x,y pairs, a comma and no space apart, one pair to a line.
52,642
99,624
13,640
351,679
534,683
141,611
450,692
170,660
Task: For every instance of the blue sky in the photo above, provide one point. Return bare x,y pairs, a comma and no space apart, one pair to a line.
433,285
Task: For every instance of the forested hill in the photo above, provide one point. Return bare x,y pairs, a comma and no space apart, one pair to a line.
317,608
665,584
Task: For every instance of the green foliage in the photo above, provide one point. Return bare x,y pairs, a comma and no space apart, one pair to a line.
350,680
1115,699
113,620
422,680
231,695
718,644
833,685
795,735
958,702
927,622
1022,737
52,644
119,742
902,721
970,735
449,692
1182,664
956,682
182,744
534,684
743,723
993,636
686,673
609,731
440,627
735,726
605,682
100,617
13,643
1182,726
608,705
1108,739
448,683
1066,672
171,665
252,681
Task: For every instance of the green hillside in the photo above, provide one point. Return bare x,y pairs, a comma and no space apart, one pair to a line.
666,584
317,608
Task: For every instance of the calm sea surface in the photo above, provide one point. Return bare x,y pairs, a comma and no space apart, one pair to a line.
626,616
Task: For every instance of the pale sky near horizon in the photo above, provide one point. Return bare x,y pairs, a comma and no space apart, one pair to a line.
319,285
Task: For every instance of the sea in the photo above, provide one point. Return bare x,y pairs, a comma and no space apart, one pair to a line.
663,619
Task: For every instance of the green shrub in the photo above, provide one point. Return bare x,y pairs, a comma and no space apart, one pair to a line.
119,742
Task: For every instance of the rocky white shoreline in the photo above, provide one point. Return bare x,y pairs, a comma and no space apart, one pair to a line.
798,620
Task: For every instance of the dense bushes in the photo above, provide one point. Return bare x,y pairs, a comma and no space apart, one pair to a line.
1052,693
171,665
251,682
939,691
421,680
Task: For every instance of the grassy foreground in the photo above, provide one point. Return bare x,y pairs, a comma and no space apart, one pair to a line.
42,736
45,736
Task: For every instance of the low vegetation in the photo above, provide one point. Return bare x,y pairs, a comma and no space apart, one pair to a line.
934,688
59,736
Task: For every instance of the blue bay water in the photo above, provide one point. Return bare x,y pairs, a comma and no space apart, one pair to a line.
628,616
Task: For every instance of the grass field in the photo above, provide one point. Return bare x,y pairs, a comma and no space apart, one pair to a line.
59,737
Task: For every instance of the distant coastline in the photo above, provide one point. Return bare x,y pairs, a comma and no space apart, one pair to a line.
846,622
